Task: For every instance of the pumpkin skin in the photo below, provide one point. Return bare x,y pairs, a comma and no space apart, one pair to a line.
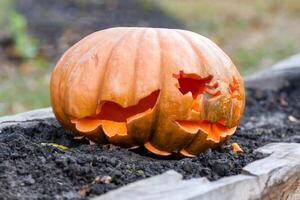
172,91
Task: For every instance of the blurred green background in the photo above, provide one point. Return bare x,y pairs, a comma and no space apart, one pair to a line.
34,34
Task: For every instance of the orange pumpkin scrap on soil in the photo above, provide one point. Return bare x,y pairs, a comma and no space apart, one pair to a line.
172,91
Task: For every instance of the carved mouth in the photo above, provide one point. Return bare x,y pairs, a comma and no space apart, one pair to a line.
214,130
114,118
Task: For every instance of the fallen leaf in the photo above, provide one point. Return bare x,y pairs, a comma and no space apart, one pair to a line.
236,148
61,147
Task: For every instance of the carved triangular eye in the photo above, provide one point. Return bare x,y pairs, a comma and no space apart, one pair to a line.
199,87
192,83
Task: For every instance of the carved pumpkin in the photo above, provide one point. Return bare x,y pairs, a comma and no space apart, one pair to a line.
172,91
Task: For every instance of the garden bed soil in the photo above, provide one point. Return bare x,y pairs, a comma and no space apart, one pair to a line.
30,168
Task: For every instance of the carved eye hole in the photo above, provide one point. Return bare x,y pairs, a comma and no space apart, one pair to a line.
192,83
199,87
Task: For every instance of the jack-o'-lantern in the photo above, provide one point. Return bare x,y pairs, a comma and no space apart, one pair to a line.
172,91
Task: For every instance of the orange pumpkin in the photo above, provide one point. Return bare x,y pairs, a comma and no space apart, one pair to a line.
172,91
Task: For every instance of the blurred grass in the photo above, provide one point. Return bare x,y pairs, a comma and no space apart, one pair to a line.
24,78
254,33
21,91
25,46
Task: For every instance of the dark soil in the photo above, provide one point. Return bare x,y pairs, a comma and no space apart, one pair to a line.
31,170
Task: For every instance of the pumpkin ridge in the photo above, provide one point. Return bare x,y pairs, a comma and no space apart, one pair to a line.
102,79
88,55
140,69
198,63
67,71
71,82
166,134
196,67
157,110
221,61
202,44
198,52
134,80
63,69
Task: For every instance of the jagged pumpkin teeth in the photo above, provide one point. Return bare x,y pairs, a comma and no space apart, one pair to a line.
112,128
186,154
217,131
86,125
214,131
165,89
188,126
156,151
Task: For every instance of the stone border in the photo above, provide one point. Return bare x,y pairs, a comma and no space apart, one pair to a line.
276,77
33,116
274,177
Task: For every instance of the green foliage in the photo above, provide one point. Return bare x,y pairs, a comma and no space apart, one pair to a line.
14,25
248,60
20,92
147,5
140,171
59,146
26,47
